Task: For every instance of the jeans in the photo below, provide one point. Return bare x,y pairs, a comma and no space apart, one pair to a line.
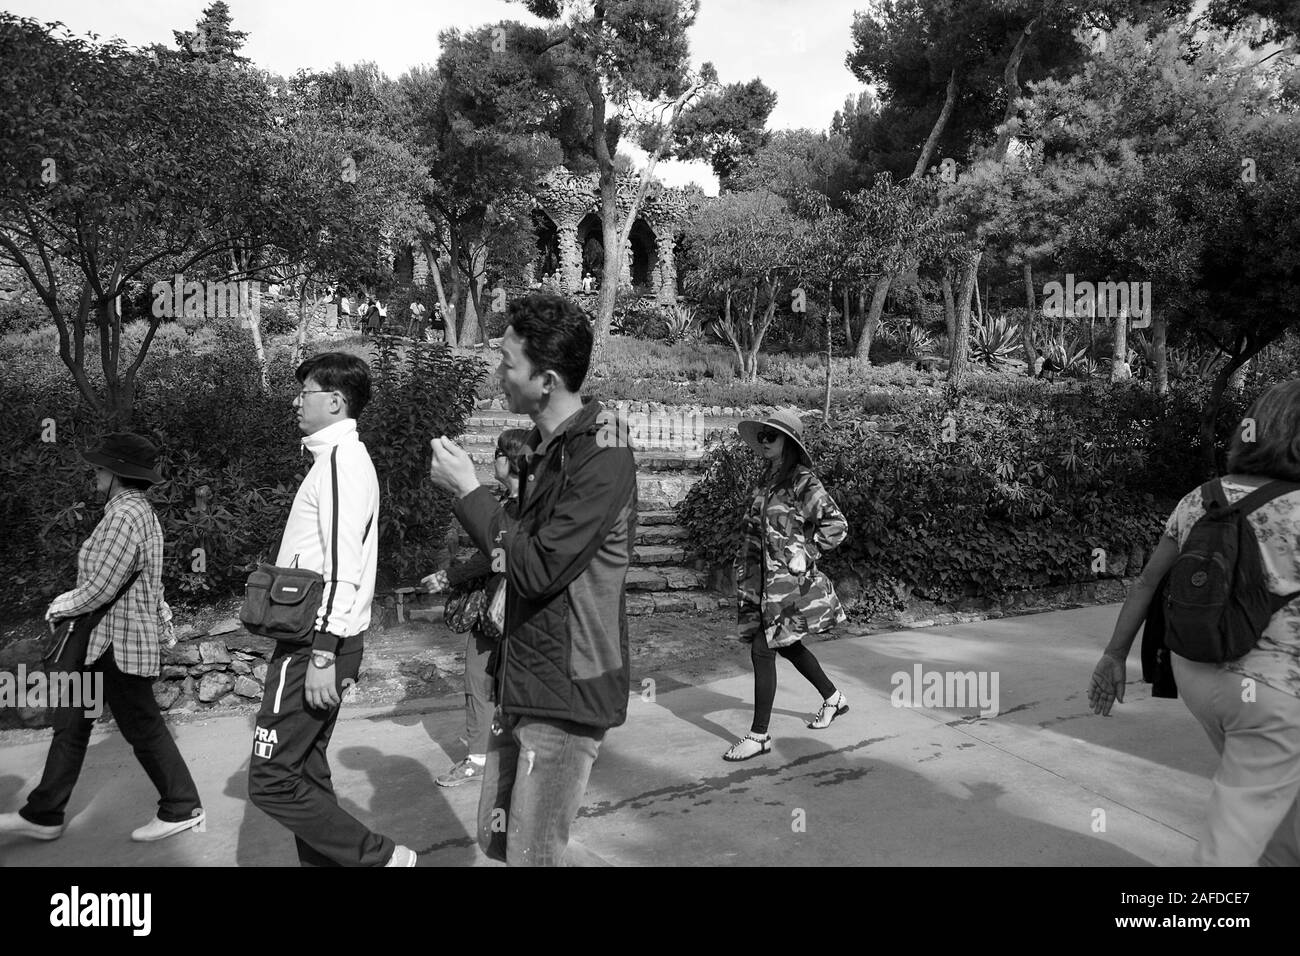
130,698
478,691
1252,817
533,785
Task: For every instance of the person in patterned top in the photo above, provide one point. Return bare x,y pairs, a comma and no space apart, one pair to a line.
781,594
118,619
1249,707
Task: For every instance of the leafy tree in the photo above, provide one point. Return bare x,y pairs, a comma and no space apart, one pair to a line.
1172,165
630,61
482,124
744,251
113,164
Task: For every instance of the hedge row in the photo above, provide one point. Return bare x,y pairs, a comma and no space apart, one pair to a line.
216,428
973,498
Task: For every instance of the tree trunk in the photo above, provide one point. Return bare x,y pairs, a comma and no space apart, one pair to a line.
1027,329
241,266
949,309
862,305
936,131
830,304
435,273
1161,353
961,332
1210,416
300,340
863,353
1011,87
848,326
1119,351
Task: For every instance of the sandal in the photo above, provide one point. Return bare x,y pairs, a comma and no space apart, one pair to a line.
829,711
748,747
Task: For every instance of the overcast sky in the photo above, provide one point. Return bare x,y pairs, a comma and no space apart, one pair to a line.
797,47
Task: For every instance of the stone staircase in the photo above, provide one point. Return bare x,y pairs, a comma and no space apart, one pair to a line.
661,578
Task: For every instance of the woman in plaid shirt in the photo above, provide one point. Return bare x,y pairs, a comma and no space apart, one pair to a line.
119,618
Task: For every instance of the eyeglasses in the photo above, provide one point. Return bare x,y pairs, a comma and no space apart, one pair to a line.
314,391
767,435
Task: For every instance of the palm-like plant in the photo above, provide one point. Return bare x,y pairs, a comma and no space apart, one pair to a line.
917,341
679,324
994,339
1070,355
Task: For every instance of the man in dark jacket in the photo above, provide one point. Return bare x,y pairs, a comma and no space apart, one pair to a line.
562,679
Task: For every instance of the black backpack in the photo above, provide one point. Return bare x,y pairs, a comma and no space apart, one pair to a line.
1218,602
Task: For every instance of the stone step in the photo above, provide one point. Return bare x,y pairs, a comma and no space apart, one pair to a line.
646,536
646,460
646,515
656,491
658,554
688,601
662,578
649,534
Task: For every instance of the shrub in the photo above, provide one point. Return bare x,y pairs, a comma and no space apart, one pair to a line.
1019,499
200,401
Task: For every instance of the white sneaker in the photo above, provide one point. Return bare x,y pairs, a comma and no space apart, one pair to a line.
16,824
157,829
402,856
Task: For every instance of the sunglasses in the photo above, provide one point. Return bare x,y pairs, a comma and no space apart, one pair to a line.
767,435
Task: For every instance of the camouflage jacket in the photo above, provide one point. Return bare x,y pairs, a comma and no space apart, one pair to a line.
780,591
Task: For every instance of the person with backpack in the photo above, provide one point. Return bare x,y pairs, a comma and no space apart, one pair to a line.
1230,563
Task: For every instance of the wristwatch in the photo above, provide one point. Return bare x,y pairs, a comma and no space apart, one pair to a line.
320,661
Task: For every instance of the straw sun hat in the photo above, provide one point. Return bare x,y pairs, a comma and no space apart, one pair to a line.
786,421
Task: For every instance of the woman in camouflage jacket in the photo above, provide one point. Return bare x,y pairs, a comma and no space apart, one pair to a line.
781,594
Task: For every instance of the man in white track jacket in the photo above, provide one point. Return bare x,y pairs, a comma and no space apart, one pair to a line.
332,529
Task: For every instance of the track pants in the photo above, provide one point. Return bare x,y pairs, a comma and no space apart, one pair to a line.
289,774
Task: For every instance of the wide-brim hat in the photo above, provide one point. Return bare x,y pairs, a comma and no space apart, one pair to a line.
127,455
783,420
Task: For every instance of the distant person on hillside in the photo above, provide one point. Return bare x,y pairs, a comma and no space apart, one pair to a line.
417,322
1049,367
374,317
483,640
1249,706
588,282
781,594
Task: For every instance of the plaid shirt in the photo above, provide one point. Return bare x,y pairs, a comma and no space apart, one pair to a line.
129,538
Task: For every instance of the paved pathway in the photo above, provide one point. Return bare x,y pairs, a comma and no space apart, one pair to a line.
884,785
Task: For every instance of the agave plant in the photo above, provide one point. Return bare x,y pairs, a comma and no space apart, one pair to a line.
1188,362
621,324
891,335
994,339
1068,355
679,324
917,341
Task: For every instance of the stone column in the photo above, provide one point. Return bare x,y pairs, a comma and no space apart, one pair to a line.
625,276
570,254
665,269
